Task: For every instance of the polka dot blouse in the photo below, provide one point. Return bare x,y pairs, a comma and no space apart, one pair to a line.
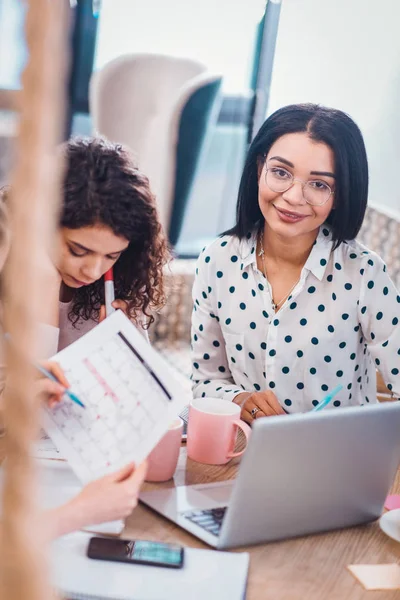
339,324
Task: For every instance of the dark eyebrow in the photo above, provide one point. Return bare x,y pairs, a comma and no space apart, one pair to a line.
326,173
286,162
289,164
80,246
89,250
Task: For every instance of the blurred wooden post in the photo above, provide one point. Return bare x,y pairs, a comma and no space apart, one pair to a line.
33,205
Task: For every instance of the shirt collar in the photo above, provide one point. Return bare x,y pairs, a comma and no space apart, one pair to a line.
247,250
319,256
316,262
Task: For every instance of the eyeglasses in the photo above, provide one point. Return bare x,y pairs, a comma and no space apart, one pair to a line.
315,192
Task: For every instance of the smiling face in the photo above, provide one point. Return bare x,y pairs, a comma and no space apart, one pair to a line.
287,213
85,254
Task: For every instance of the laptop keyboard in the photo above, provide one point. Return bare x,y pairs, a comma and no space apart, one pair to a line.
210,519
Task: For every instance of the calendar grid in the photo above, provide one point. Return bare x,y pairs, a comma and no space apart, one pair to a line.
113,383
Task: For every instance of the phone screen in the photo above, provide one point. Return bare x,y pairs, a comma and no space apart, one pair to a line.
139,551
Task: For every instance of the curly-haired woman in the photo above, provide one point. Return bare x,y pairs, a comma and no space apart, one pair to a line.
108,218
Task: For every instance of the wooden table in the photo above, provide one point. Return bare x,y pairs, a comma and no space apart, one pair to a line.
307,568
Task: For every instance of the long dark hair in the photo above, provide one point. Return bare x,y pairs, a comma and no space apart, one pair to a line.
335,129
102,186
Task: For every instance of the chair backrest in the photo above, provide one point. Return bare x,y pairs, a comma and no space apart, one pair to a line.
194,116
134,100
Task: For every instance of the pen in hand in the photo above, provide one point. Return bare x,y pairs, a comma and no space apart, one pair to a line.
50,375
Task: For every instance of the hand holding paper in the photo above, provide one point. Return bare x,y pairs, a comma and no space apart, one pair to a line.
129,393
106,499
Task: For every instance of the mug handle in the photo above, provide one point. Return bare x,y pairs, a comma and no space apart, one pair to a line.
247,431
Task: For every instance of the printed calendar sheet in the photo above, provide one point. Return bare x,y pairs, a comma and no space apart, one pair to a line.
130,397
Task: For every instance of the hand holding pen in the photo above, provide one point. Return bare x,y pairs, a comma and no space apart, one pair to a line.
255,405
111,304
54,384
265,404
52,390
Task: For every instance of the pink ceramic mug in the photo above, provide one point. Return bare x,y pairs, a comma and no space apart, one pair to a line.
163,459
212,428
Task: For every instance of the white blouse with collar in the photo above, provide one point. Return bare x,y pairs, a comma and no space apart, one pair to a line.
339,324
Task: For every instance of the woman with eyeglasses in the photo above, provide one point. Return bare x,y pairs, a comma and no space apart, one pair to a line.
287,304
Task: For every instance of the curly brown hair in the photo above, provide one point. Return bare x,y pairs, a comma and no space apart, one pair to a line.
102,186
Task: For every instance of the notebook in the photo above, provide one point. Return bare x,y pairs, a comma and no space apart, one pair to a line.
130,396
206,574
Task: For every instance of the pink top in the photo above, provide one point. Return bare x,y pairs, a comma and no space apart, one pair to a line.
57,339
54,339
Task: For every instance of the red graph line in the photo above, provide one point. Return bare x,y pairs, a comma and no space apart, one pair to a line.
101,380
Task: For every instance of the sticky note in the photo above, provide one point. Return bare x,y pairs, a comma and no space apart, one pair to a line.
377,577
392,502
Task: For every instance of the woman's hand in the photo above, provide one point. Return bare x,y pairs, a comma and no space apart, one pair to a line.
107,499
112,497
263,404
51,391
117,304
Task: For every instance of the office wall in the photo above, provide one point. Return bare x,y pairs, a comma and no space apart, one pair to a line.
12,44
346,54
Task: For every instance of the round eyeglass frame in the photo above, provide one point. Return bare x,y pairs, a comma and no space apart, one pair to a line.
303,184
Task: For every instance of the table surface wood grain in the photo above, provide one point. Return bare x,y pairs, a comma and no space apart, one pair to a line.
306,568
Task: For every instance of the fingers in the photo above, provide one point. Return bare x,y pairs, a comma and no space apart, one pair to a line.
111,497
139,473
50,388
128,472
264,404
120,304
123,474
246,416
136,477
274,403
133,484
260,401
269,404
49,391
117,304
57,371
249,417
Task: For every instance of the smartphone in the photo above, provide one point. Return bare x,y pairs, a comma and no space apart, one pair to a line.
136,551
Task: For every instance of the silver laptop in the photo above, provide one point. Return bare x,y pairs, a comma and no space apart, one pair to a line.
300,474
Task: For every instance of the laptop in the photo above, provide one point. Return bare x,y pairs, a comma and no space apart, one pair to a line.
299,475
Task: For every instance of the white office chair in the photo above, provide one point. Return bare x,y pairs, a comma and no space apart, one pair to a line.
161,107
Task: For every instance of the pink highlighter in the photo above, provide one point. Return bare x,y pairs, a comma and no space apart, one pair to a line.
109,292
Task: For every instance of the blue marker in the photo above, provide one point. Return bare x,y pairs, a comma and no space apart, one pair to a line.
327,398
47,373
